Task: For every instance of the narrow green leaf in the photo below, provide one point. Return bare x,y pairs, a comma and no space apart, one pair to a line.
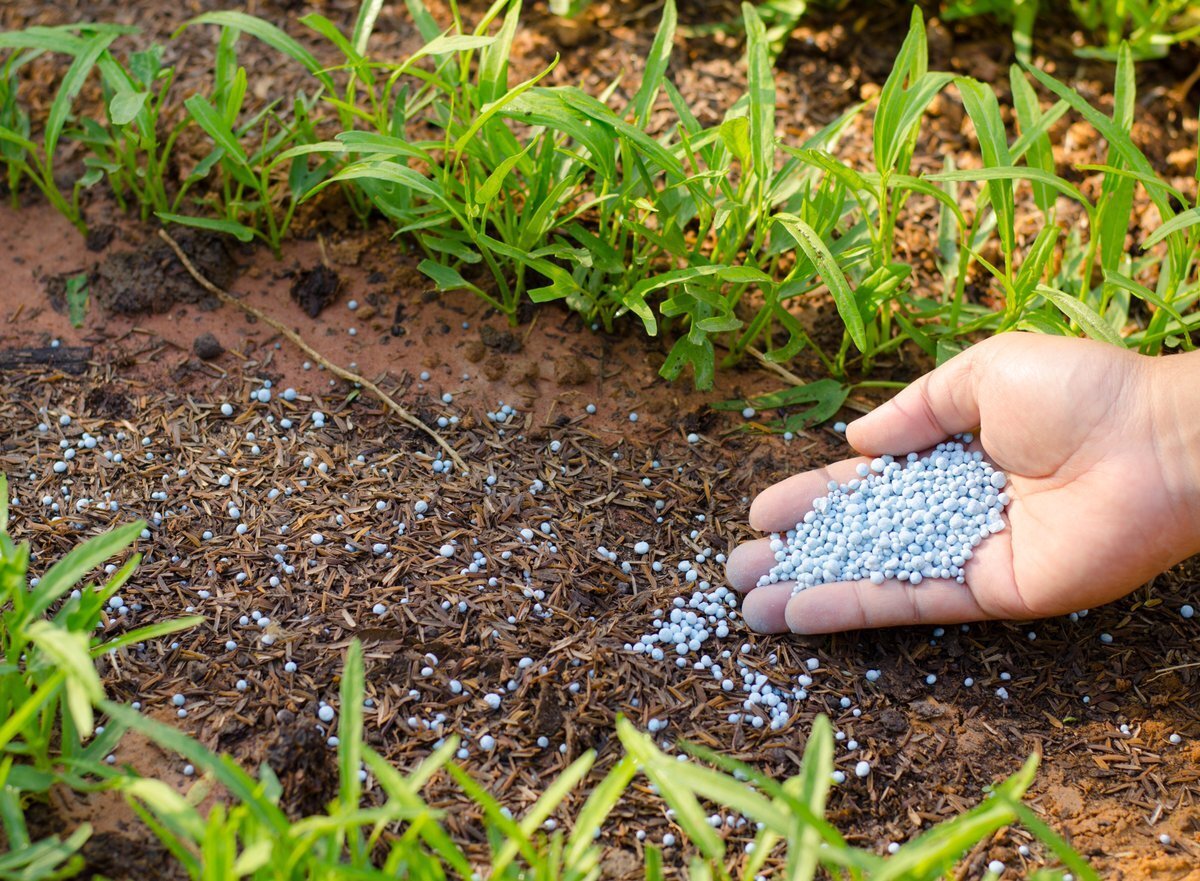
1082,314
269,34
761,83
1180,221
72,82
818,253
984,110
364,24
239,231
656,65
76,294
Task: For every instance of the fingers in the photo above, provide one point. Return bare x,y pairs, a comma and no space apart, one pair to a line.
748,562
764,609
939,404
780,507
858,605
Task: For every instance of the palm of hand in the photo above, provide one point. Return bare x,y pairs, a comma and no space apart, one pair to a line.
1092,511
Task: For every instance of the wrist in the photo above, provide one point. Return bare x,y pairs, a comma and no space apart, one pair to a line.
1175,396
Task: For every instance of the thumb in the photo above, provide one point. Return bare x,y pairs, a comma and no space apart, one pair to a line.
939,404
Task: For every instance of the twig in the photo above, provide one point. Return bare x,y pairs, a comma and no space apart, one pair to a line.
796,380
337,371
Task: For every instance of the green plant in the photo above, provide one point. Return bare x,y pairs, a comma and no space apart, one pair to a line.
36,161
1150,27
130,145
259,158
401,835
49,683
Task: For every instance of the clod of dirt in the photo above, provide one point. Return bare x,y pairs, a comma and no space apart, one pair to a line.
493,369
474,351
306,767
151,279
100,237
315,288
547,714
110,855
502,340
108,403
572,370
206,347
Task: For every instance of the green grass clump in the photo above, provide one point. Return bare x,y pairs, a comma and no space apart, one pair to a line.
1150,27
397,834
49,685
718,236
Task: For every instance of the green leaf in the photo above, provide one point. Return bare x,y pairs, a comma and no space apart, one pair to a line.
72,82
490,109
207,117
1180,221
77,562
227,772
364,24
656,65
77,298
812,783
239,231
818,253
69,650
909,66
493,61
1082,314
272,36
1011,173
661,769
350,727
984,110
125,106
490,188
445,277
761,83
1040,154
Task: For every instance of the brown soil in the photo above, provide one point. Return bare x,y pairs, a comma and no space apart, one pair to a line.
933,748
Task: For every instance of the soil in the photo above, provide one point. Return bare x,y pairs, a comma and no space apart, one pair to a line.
135,366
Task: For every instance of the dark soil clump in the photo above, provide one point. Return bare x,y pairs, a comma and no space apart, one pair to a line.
110,855
206,347
306,767
152,280
315,288
106,402
501,340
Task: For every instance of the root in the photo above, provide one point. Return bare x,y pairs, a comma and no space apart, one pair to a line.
312,353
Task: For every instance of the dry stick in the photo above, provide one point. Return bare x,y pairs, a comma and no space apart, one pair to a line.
337,371
796,380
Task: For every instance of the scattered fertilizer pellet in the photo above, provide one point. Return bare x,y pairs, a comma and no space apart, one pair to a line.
862,769
904,521
1186,611
996,867
325,713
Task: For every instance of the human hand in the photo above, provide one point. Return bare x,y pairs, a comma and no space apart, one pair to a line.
1102,450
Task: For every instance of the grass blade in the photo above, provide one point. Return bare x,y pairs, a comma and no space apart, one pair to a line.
818,253
1082,314
656,65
